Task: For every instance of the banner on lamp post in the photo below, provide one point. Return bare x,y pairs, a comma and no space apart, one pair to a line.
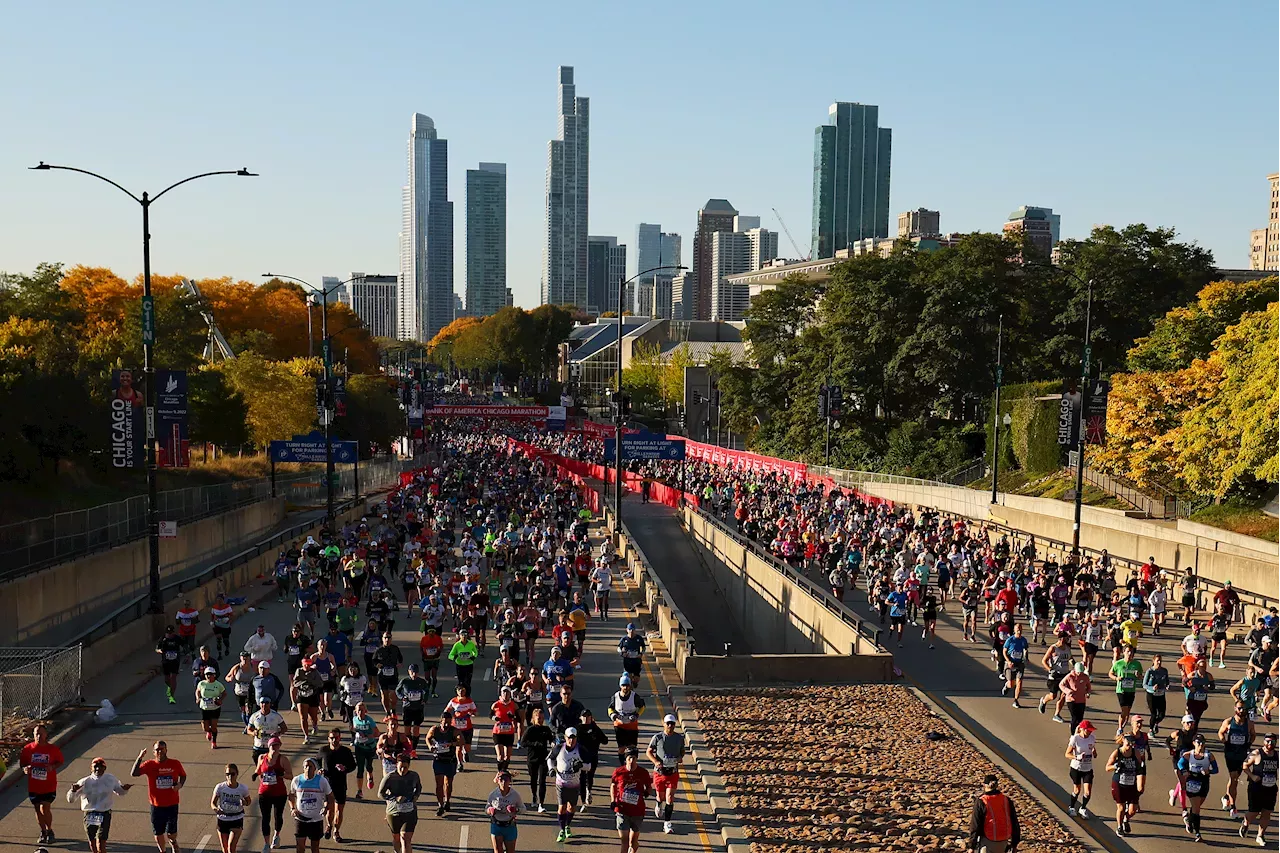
127,433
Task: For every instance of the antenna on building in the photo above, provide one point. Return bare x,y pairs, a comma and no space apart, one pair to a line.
804,256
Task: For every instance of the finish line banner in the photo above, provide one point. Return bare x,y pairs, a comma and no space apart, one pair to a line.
517,413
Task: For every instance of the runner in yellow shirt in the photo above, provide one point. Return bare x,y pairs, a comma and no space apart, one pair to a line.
1131,631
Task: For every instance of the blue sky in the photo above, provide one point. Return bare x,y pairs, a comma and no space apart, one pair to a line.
1160,112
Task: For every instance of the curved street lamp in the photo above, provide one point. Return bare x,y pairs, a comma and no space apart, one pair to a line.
148,369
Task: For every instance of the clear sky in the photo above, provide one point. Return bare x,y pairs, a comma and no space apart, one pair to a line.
1158,112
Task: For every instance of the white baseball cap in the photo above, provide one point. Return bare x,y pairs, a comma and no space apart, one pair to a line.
669,718
571,732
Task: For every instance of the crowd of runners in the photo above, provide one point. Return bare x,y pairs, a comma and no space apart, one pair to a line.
488,559
1082,623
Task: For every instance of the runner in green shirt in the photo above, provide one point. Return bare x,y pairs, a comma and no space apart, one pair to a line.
1127,674
464,654
209,693
347,616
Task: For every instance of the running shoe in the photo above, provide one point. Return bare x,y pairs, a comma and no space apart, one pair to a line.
667,828
1225,802
568,833
1084,813
1244,830
1058,719
1071,812
560,837
1042,704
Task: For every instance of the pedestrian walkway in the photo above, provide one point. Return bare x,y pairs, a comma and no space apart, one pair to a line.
146,716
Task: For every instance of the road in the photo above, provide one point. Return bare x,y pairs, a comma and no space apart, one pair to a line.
146,716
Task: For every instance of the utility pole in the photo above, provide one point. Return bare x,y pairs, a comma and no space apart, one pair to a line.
995,417
1085,351
826,413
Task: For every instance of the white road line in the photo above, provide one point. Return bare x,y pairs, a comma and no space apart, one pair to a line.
462,838
488,675
203,842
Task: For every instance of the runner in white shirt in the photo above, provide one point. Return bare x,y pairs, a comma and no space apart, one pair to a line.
1082,749
602,582
309,798
97,793
228,803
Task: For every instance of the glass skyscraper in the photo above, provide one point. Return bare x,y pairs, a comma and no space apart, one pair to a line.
851,155
564,276
486,239
426,236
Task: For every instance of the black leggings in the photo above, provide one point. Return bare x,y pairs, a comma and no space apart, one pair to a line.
1155,706
364,762
538,780
266,804
588,777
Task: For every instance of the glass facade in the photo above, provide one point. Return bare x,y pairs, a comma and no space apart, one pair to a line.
851,168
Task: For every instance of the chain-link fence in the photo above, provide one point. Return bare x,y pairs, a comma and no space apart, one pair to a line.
310,489
35,682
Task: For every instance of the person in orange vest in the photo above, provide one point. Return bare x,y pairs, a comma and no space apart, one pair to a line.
993,827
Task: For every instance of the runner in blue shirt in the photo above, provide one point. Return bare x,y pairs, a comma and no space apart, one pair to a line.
555,673
305,599
897,602
1015,655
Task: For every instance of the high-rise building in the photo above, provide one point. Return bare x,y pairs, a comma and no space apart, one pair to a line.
648,253
486,239
734,252
373,298
745,223
653,249
851,158
606,267
1264,243
426,238
920,222
564,278
683,295
716,215
1040,225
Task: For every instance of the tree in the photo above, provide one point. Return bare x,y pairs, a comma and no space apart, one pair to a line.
1187,332
279,396
373,414
217,413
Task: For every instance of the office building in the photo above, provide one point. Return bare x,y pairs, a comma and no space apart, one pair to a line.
426,298
851,159
564,277
486,239
683,295
1264,243
654,249
1039,225
715,216
606,268
732,253
920,222
373,298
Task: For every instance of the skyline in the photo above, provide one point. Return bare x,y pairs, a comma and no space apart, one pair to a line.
993,138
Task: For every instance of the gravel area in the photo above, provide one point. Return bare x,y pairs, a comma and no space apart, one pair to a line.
812,769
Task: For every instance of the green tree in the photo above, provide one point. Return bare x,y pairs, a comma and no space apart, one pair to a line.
279,396
217,413
1187,332
373,414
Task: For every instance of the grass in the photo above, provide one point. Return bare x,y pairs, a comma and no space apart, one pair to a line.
1239,516
1056,486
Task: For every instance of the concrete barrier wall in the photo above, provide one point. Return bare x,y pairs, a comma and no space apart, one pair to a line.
33,604
780,669
1220,556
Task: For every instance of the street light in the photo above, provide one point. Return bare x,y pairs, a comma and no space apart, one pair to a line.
617,433
995,431
327,420
156,602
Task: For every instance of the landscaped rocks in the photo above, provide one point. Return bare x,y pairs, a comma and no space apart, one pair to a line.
850,768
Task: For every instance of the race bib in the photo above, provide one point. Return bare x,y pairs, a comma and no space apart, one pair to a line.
631,796
504,728
164,782
1131,779
241,688
231,804
388,671
404,808
413,695
529,626
208,704
1269,780
269,778
93,819
170,655
1126,684
444,749
1015,654
1194,786
309,802
39,773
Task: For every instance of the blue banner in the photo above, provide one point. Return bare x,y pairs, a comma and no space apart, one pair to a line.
646,446
172,442
311,448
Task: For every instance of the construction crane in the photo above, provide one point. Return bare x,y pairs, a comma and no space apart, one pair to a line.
804,256
216,345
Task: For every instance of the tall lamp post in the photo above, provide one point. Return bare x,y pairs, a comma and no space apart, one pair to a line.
995,418
327,420
156,599
618,413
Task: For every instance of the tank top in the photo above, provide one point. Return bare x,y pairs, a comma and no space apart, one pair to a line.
1268,767
324,666
243,684
1237,740
1059,660
270,779
442,749
1126,770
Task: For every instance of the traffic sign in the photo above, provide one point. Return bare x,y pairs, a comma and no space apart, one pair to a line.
311,448
649,446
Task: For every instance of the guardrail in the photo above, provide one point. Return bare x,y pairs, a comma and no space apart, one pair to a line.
36,682
822,595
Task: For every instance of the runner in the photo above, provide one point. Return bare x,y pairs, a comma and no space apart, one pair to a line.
1261,768
1126,766
265,724
1015,656
1057,661
444,742
170,650
351,689
590,739
40,761
432,647
230,799
929,615
412,691
221,613
1237,735
262,646
97,793
330,654
896,601
463,655
1082,749
392,744
566,762
629,786
1194,769
632,647
1127,674
1197,686
537,740
1155,683
336,763
387,659
400,790
625,708
272,772
165,778
187,617
240,677
666,751
503,807
209,696
310,799
602,586
463,709
305,694
203,660
504,713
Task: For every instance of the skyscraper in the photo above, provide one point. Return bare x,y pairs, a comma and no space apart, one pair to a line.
716,215
486,239
373,299
564,278
851,155
1040,225
1264,243
734,252
606,267
426,236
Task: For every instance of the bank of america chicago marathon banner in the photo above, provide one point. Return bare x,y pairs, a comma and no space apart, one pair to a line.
128,419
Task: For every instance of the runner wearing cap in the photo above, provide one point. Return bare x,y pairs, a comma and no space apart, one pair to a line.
200,662
310,798
1195,766
666,751
209,696
272,772
1261,769
628,787
97,793
170,649
503,807
1082,749
267,687
1126,766
566,762
264,724
229,800
625,708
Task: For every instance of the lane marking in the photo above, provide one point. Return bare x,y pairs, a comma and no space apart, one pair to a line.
488,675
203,842
463,832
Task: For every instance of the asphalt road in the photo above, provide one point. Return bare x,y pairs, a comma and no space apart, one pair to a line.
147,716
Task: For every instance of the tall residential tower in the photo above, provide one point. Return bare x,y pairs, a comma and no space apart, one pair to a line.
486,239
564,275
851,154
716,215
425,298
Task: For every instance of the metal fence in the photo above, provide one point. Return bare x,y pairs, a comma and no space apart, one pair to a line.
39,542
35,683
